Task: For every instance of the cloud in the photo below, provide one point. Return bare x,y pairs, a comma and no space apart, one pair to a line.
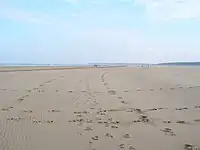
170,9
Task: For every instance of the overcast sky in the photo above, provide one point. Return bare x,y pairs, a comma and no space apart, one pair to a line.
83,31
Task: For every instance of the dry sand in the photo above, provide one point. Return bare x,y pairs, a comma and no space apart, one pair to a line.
100,109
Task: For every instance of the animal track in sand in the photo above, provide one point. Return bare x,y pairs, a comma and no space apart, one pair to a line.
15,118
123,102
138,89
121,146
42,122
81,112
154,109
112,92
28,111
168,131
7,109
41,85
114,127
167,122
54,110
191,147
136,121
95,138
126,91
196,106
109,135
120,97
144,118
88,129
105,84
114,124
22,98
130,147
184,108
197,120
79,115
182,122
127,136
137,110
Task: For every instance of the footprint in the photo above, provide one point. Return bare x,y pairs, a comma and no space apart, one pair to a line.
152,109
191,147
50,121
109,135
107,125
21,99
197,120
122,146
7,109
27,111
144,118
127,136
184,108
196,106
112,92
120,97
95,138
123,102
138,110
88,129
15,118
36,121
54,111
167,122
126,91
29,91
136,121
188,147
182,122
105,84
168,131
130,147
115,122
138,90
114,127
100,122
79,115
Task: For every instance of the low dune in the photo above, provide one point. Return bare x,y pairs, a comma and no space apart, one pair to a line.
128,108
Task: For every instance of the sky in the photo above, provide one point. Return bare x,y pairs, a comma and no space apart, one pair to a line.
109,31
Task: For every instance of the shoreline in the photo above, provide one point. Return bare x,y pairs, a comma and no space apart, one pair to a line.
35,68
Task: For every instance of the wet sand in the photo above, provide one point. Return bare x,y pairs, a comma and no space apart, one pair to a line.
100,109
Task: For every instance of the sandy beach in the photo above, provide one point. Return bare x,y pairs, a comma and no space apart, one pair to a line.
155,108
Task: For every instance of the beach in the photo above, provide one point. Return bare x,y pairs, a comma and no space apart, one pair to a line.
124,108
